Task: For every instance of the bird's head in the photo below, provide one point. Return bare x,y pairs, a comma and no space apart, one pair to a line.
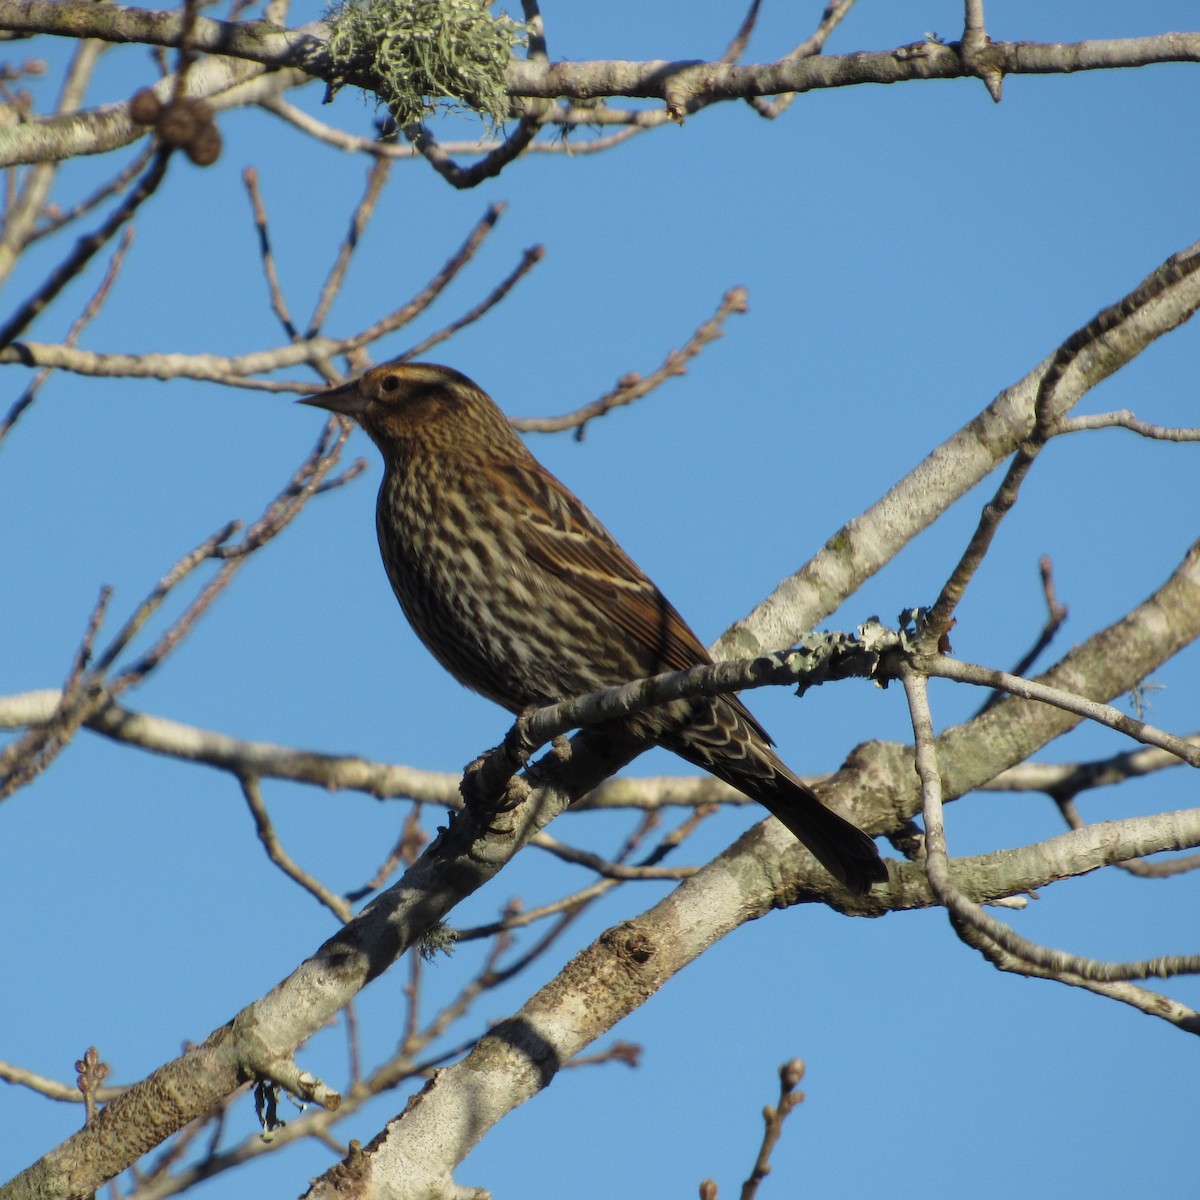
405,403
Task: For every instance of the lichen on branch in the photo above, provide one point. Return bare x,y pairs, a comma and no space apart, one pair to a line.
425,54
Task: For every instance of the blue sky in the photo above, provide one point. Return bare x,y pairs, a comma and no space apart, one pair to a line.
908,252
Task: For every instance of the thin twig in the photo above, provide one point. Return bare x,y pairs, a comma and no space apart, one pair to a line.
425,297
536,39
278,303
88,692
629,1053
1056,614
172,579
634,122
116,184
939,619
93,306
737,47
28,756
409,845
410,1037
529,916
831,18
376,178
529,260
92,1073
982,930
263,826
353,1046
511,147
1124,419
316,351
84,250
942,667
604,868
53,1089
633,386
515,918
790,1074
1071,779
26,206
309,478
278,515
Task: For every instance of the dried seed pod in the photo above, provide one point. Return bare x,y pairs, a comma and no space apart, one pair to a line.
205,148
181,120
144,107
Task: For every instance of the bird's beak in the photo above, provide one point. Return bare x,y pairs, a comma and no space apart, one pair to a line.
347,400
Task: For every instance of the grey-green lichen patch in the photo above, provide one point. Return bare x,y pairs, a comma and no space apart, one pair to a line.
425,54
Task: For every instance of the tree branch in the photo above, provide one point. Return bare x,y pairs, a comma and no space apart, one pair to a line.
683,86
866,544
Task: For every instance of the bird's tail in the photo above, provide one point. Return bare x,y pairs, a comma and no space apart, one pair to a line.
841,847
734,749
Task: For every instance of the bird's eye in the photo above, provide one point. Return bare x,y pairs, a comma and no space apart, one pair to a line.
389,383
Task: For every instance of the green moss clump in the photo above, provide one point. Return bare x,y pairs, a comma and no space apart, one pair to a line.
425,54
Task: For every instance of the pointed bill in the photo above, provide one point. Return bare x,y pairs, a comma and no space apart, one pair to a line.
347,400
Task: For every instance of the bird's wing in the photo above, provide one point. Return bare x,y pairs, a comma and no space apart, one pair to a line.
565,539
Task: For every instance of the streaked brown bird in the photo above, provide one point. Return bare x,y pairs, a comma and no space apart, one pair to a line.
522,595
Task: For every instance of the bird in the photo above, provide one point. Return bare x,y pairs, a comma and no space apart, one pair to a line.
522,595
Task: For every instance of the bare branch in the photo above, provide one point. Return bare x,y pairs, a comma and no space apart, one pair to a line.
1056,615
280,857
864,545
1134,866
28,756
774,1116
737,47
315,351
82,254
118,183
376,178
1045,411
683,87
831,18
983,931
604,868
538,51
93,306
422,300
492,163
1067,780
827,657
529,260
278,303
633,386
1124,419
29,203
1104,714
162,736
52,1089
637,121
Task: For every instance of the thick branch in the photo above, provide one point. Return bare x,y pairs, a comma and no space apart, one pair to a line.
866,544
259,1041
879,776
630,962
683,86
304,48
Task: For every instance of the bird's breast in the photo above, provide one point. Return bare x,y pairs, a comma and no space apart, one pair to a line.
489,614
